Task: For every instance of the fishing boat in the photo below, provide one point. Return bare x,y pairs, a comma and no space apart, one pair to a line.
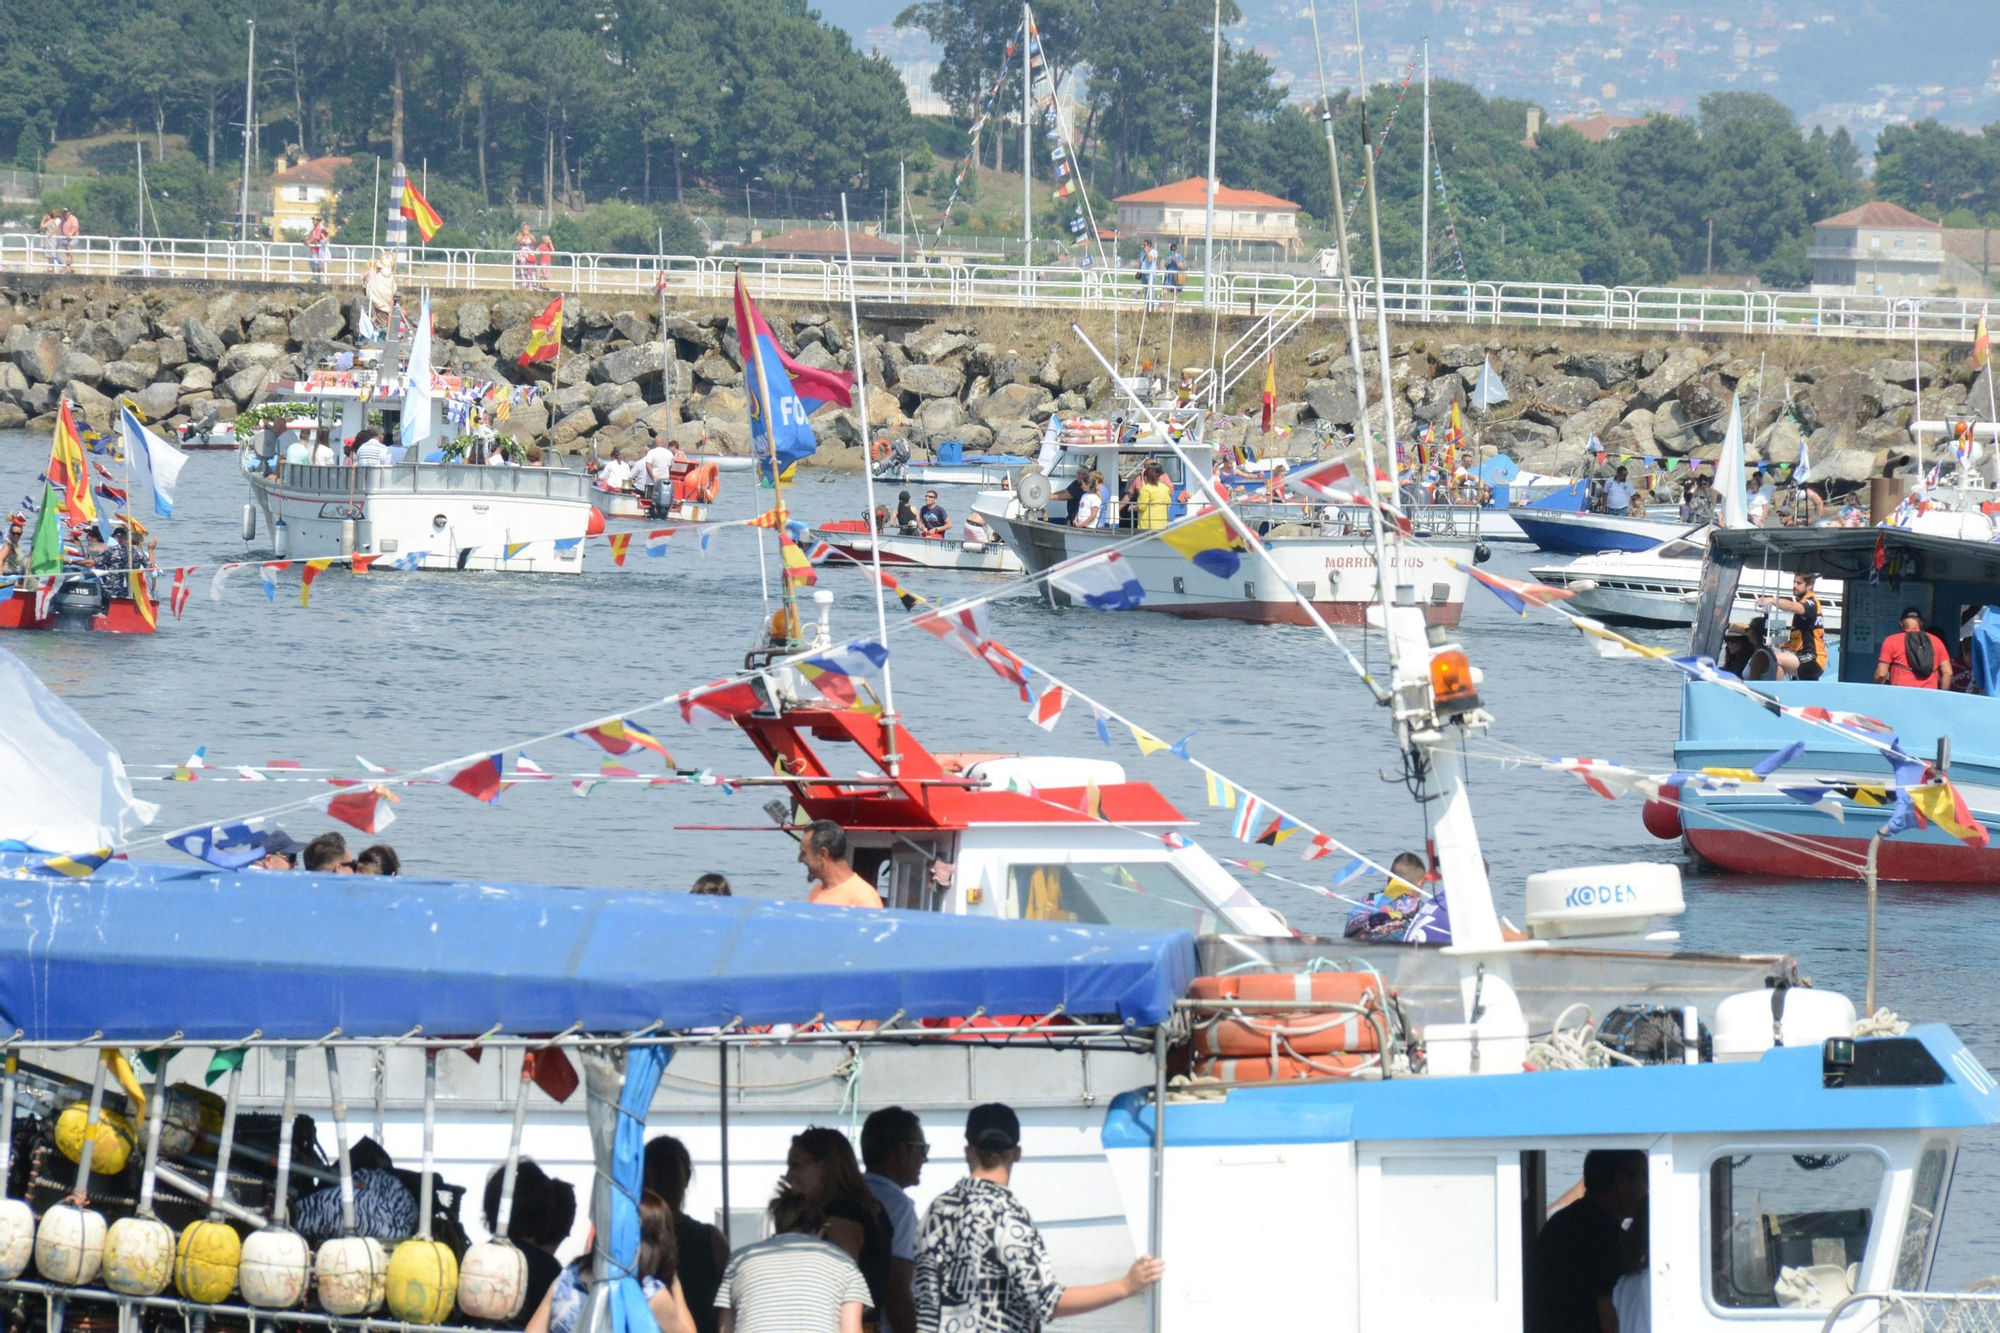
1662,586
848,539
1327,552
1758,830
431,514
693,487
81,600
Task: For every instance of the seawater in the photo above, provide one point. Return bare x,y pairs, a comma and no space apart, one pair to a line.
411,669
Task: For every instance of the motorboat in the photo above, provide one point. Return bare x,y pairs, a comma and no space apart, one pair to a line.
1661,586
432,514
691,488
951,466
1327,552
1949,575
848,539
80,600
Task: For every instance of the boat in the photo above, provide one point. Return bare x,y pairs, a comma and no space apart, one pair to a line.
1756,830
1327,552
1580,532
695,484
416,515
848,538
1511,489
951,466
81,602
1661,586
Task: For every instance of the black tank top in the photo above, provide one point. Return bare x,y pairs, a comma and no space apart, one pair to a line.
700,1278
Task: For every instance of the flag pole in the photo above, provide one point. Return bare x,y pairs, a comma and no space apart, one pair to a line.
868,473
555,379
777,471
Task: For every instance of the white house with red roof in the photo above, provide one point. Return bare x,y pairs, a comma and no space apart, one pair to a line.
1252,224
1878,249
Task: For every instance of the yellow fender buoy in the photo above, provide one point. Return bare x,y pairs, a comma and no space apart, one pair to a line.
114,1137
206,1261
423,1280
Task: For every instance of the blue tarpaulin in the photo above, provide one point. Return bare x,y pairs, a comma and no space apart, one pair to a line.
139,951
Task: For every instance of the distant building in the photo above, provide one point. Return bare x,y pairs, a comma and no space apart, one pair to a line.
1878,249
300,191
1601,128
812,243
1253,224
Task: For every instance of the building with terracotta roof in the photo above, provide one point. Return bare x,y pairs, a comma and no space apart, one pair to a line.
1602,128
813,243
1252,224
299,191
1878,249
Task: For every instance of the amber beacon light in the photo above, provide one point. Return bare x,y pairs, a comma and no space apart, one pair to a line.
1454,692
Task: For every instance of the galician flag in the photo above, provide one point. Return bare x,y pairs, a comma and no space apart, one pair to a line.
152,460
795,391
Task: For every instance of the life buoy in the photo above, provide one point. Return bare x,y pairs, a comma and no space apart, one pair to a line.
1288,1034
1322,987
704,482
1267,1070
879,451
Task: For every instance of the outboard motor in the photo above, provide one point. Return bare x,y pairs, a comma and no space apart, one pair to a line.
661,505
81,599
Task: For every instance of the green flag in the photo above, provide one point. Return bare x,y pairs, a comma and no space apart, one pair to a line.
224,1062
45,557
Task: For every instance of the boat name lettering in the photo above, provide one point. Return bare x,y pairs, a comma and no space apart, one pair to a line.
1600,895
1367,561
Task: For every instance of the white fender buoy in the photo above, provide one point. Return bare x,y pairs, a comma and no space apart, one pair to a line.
139,1250
493,1280
249,522
281,539
17,1219
347,536
277,1263
69,1243
353,1270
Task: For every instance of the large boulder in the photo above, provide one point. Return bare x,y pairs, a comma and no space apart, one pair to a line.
268,326
197,378
938,418
126,375
95,407
321,319
101,339
507,312
606,398
632,326
244,355
1604,368
12,382
933,344
1844,399
203,343
1454,356
1013,368
475,320
246,384
1520,437
1673,431
1633,435
689,329
158,401
820,357
1705,399
1333,399
627,365
76,366
717,369
1894,370
1595,419
12,417
1680,365
37,354
575,426
928,381
1015,402
1050,373
512,342
170,353
1432,401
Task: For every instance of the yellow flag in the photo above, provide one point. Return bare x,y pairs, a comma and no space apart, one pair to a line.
1149,744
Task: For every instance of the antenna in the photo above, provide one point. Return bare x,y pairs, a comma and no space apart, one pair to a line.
1348,297
868,473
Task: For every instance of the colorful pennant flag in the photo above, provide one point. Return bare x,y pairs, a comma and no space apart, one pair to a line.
718,703
544,335
178,597
508,550
656,542
418,210
620,543
798,569
481,779
1221,791
1048,708
1149,744
835,672
1106,584
1982,344
366,810
795,391
1210,544
77,865
226,846
1270,388
313,569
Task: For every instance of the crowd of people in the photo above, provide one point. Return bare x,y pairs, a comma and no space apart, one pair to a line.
1693,499
325,855
845,1247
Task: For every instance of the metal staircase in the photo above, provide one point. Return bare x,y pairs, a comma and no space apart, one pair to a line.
1280,321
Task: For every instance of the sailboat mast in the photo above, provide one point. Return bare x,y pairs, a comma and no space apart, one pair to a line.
1381,294
1208,221
1027,139
1424,191
889,755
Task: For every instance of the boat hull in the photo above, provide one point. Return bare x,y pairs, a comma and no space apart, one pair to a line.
121,617
920,552
1761,832
1638,589
1567,533
1336,574
626,505
949,474
458,517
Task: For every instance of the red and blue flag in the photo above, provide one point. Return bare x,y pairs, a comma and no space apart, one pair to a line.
796,391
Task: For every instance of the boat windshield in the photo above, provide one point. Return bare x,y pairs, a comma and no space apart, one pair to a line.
1109,893
1681,550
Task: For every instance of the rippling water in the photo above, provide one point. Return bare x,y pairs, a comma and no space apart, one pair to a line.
409,669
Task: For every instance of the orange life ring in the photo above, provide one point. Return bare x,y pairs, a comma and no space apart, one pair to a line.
879,451
1288,1034
1321,987
705,481
1267,1070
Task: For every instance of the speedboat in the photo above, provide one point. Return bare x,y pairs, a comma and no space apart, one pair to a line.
693,487
849,538
414,515
1661,586
1755,829
951,467
1560,521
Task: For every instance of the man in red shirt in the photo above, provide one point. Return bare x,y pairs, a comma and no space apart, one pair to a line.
823,852
1914,656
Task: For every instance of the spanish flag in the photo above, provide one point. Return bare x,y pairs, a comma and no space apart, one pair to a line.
544,334
142,600
418,210
798,569
1982,344
68,472
1270,389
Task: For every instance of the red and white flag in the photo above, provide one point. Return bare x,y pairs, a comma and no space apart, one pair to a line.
1048,708
366,810
178,598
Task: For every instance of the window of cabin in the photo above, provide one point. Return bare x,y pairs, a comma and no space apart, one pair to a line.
1108,893
1790,1230
1913,1257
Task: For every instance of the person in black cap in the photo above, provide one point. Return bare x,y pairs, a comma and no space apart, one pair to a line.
981,1264
281,851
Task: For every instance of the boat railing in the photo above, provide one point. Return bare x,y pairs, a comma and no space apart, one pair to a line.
554,483
1457,522
1918,1312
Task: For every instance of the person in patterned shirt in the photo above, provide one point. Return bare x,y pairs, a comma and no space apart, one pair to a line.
982,1267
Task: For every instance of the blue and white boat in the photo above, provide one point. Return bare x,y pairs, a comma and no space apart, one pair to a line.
1762,831
1560,521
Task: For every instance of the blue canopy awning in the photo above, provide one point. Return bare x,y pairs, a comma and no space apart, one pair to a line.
140,951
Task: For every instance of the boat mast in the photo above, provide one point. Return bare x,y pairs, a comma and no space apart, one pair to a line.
785,627
1424,192
1353,318
891,761
1027,140
1208,223
249,119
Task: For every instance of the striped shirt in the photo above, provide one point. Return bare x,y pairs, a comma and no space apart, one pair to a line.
790,1284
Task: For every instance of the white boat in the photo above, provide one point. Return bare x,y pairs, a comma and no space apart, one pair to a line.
848,537
1663,585
952,467
417,515
1327,552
